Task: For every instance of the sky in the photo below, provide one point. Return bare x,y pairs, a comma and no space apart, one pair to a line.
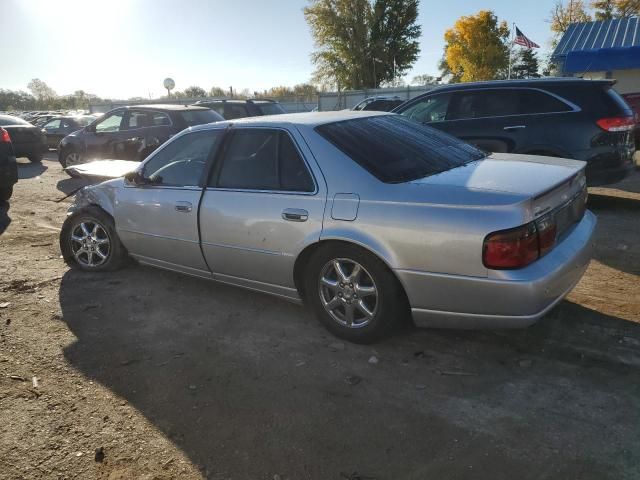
126,48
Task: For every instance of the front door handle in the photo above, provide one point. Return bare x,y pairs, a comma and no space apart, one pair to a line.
515,127
184,206
295,214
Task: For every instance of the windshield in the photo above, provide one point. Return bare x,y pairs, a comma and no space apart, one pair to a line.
10,120
198,117
395,149
270,108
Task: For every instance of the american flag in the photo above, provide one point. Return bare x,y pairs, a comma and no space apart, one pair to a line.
524,41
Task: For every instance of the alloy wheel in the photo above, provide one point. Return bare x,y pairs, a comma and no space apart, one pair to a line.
348,293
90,244
72,158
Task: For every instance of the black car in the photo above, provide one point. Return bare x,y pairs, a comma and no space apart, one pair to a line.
560,117
8,167
59,127
379,104
130,133
231,109
27,140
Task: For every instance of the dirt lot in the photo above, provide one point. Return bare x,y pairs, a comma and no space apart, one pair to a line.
174,377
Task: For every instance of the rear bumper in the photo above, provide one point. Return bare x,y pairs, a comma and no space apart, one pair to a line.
505,299
8,171
28,149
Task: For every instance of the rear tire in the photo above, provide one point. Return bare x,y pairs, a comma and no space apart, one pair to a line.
36,158
5,193
353,293
89,242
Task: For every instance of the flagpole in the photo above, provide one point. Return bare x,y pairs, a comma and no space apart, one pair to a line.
511,49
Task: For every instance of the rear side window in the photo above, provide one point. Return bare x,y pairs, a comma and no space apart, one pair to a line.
199,117
482,104
263,159
159,119
270,108
137,119
234,110
595,98
534,101
383,105
395,149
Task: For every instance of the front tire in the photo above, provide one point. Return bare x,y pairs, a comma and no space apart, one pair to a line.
71,157
353,293
89,241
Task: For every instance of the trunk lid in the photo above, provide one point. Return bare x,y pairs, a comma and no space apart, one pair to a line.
23,134
550,182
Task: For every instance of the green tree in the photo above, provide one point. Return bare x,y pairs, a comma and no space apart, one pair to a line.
526,64
195,92
423,80
43,92
476,48
216,92
362,43
394,39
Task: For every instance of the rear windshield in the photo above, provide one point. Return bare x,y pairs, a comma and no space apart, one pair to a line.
395,149
270,108
198,117
10,120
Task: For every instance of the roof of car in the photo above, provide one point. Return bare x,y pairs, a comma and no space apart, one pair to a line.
529,82
168,106
235,100
311,119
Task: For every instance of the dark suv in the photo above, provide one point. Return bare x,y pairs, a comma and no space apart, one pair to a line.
231,109
130,133
560,117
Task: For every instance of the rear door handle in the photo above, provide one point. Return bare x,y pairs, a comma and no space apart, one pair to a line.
515,127
184,206
295,214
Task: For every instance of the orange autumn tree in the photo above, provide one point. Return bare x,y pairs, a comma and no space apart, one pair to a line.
476,48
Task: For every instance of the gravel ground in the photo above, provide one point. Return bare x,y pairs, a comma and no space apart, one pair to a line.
147,374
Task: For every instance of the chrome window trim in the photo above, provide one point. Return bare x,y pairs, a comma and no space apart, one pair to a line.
281,192
574,108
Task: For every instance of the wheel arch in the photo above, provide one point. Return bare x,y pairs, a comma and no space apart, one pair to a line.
304,256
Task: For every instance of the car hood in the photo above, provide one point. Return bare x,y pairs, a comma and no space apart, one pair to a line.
528,175
102,169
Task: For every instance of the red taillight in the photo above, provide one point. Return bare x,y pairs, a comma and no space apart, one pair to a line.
513,248
518,247
4,136
617,124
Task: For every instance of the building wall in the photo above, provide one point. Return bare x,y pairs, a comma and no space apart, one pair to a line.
628,81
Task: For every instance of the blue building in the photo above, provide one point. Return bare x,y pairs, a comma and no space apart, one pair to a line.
603,49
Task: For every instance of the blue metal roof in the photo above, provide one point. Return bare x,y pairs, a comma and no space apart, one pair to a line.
617,33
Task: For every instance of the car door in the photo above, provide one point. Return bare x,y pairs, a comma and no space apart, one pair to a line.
131,141
101,137
262,206
157,216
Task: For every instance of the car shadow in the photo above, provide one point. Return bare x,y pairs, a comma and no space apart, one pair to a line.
5,220
30,170
616,237
252,386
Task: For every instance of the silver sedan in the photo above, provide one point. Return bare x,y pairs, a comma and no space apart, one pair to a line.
367,217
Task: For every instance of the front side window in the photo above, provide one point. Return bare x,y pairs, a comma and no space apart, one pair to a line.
264,159
52,125
112,123
395,149
430,109
182,161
